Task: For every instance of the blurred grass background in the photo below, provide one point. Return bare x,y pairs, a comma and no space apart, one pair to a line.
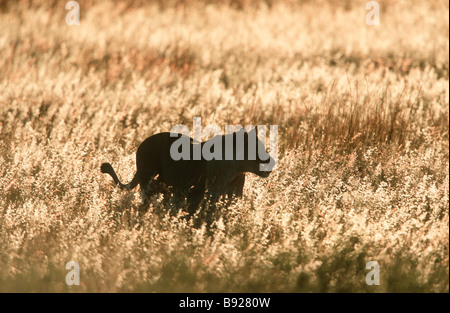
363,122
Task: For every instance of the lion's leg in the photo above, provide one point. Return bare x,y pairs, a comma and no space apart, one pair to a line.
236,186
194,199
150,186
195,196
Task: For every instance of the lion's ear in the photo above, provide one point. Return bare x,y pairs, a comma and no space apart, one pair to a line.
240,131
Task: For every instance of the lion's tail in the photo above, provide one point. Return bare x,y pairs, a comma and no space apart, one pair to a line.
107,168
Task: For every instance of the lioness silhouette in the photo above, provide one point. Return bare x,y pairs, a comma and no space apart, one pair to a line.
192,179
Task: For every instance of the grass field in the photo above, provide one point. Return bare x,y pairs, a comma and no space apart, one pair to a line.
363,117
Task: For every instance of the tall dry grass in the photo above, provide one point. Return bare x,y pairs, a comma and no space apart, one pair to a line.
363,122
